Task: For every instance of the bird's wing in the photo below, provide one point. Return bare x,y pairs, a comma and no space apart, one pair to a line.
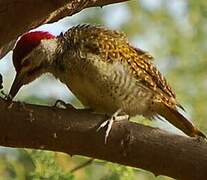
143,54
145,71
140,62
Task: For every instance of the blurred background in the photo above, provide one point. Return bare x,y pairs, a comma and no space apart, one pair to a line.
174,32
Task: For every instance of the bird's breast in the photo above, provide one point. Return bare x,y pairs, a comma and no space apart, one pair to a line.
106,86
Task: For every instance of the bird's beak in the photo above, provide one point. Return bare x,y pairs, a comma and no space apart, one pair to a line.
17,84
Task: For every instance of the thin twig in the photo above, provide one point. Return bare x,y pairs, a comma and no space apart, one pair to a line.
88,162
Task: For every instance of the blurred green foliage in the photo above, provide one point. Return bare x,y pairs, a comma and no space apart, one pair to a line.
46,166
175,32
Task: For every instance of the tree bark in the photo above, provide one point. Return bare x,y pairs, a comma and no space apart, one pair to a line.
19,16
75,132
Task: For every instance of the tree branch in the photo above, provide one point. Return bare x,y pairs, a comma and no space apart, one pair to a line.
19,16
74,132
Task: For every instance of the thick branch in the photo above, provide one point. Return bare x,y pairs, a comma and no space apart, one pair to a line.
19,16
74,132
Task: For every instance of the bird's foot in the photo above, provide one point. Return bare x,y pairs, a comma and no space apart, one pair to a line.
6,97
109,122
61,104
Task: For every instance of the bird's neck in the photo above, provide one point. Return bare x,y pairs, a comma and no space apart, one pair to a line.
54,55
49,50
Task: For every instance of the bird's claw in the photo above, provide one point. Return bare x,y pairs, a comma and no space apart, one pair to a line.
7,97
103,125
60,103
109,122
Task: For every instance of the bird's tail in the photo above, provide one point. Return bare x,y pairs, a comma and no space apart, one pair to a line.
178,120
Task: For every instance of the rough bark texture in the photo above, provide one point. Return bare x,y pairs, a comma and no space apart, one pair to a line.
19,16
74,132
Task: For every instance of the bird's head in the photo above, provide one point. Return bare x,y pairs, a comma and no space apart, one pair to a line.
32,56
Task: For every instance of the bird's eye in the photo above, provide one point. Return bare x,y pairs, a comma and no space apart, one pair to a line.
26,62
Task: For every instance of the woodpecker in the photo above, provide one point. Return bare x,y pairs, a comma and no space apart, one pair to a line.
103,70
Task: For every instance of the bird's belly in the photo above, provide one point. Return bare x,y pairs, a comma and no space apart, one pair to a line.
108,89
108,99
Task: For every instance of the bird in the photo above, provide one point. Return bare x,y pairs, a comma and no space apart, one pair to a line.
103,70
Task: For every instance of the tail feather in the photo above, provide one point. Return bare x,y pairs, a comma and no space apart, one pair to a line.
177,119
